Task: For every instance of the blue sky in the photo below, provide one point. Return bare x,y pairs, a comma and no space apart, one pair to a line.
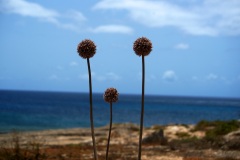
196,46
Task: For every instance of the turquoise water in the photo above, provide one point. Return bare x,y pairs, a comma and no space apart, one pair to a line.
27,110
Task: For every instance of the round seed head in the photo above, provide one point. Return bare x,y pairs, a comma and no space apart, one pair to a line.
142,46
110,95
86,49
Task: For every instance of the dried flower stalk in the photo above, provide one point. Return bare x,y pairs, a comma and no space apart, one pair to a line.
142,47
86,49
110,96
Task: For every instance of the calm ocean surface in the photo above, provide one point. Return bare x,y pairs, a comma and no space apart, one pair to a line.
27,110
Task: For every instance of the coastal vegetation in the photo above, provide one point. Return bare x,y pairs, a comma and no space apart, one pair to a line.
181,141
13,149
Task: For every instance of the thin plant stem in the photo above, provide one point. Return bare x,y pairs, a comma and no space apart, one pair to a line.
142,110
110,129
91,110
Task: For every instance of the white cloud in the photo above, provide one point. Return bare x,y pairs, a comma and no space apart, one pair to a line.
35,10
182,46
212,76
106,76
30,9
73,64
55,77
70,20
75,15
112,29
169,75
197,18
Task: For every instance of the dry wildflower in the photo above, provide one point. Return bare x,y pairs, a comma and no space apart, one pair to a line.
86,49
111,95
142,46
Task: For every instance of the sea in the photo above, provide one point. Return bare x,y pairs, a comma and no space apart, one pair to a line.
38,110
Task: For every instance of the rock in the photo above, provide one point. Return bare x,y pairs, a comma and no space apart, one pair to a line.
155,138
232,140
232,135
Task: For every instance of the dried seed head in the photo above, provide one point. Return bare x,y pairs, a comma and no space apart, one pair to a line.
86,49
111,95
142,46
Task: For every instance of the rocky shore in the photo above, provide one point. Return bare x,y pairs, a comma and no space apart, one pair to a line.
172,142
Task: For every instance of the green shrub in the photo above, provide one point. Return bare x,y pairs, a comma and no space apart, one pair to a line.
14,150
217,129
222,127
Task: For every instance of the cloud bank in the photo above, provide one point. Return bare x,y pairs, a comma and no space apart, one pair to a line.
112,29
71,20
211,18
212,76
169,76
107,76
196,18
182,46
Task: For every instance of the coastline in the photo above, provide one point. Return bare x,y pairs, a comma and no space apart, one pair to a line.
77,142
83,136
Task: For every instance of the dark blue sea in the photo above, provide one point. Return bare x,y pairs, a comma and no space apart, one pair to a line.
28,110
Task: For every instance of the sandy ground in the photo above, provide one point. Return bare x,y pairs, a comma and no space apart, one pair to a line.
76,143
121,134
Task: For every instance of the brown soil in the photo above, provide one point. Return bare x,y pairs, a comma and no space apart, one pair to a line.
76,144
